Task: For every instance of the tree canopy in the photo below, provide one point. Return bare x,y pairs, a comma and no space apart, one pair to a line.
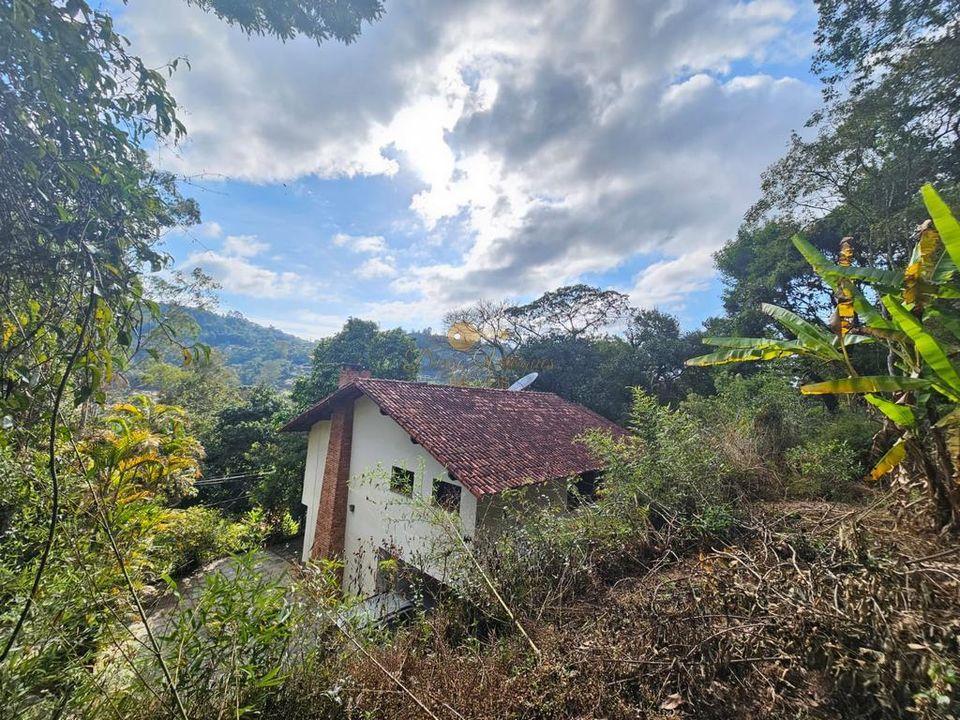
390,354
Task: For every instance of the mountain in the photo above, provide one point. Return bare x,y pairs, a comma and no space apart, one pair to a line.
257,353
260,354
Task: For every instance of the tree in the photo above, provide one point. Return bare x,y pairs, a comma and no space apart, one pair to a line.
759,266
892,82
488,336
263,466
917,318
390,354
599,372
318,20
891,122
82,210
570,311
203,388
495,333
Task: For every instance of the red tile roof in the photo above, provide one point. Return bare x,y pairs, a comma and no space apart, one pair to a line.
489,440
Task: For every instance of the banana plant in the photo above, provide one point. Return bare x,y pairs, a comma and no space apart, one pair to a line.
915,307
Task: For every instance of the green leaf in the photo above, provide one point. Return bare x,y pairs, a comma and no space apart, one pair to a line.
748,342
865,384
852,339
817,260
945,222
831,272
893,457
735,355
902,415
925,343
875,276
818,340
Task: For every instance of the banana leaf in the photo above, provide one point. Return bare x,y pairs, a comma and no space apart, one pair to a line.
750,343
883,279
818,340
893,457
902,415
867,312
945,222
831,271
865,384
945,269
735,355
852,339
925,343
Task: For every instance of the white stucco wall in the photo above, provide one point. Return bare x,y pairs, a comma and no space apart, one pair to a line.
317,443
377,517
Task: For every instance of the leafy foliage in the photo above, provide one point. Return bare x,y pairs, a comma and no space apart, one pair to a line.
388,354
244,443
320,21
916,304
254,353
569,337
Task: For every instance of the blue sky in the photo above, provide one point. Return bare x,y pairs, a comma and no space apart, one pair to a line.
477,150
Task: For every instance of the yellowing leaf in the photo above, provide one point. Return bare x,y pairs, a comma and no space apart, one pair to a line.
915,290
865,384
893,457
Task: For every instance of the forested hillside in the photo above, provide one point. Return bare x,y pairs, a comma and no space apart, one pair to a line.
258,354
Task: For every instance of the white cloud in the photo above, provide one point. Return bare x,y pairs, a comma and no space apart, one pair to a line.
238,275
376,267
211,229
666,283
243,245
361,243
305,323
233,269
550,139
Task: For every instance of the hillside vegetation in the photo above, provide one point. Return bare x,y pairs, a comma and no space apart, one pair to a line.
259,355
778,535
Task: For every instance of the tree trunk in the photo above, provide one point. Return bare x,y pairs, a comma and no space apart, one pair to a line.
942,483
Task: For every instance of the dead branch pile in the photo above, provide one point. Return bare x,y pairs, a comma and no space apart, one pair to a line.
819,613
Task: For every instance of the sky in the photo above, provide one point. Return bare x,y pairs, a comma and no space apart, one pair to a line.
476,149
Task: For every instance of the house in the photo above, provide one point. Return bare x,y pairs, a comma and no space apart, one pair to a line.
382,453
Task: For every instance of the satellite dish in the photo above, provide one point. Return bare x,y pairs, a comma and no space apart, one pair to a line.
524,382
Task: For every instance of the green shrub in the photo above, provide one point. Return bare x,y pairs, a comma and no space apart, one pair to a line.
187,539
822,469
226,647
665,481
755,422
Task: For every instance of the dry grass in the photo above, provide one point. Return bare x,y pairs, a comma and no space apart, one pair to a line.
819,610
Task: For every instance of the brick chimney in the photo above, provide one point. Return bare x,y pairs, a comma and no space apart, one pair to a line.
328,540
349,373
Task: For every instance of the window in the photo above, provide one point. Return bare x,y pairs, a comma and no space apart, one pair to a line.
446,495
401,480
584,490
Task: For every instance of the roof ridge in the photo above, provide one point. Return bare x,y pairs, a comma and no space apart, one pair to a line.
359,381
